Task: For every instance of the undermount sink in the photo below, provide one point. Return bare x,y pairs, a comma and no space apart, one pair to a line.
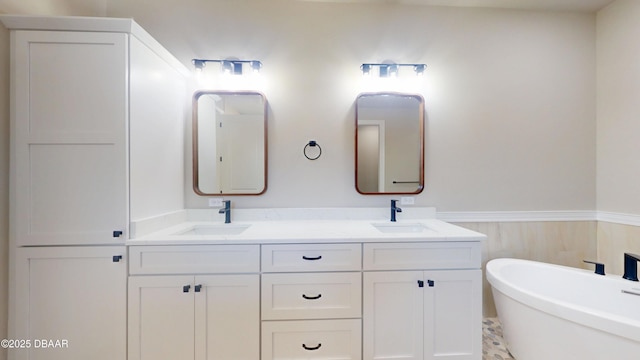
214,230
400,227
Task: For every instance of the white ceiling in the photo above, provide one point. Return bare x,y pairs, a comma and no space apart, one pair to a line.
553,5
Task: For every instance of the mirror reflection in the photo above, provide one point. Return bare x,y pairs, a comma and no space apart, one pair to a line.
229,143
389,143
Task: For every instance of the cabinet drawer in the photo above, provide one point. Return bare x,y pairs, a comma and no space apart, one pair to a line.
311,257
311,296
190,259
407,256
312,339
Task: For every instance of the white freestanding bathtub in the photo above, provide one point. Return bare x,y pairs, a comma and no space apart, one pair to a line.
551,312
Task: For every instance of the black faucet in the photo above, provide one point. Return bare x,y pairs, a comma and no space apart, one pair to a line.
394,209
631,266
226,210
599,266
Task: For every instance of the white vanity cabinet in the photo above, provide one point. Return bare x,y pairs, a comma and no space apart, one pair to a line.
75,297
211,314
422,301
348,294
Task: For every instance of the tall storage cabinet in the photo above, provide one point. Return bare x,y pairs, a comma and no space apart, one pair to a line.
72,112
70,137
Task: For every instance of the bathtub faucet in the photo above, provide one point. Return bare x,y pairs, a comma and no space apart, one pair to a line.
631,266
599,266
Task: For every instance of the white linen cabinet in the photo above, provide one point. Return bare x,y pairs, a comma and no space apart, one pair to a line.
76,86
70,137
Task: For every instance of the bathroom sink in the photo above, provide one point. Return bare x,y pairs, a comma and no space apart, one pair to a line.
400,227
214,230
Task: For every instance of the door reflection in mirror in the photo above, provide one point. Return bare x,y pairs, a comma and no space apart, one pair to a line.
229,143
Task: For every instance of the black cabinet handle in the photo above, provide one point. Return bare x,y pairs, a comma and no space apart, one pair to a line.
117,233
311,347
312,297
420,283
186,288
431,283
311,258
117,258
197,288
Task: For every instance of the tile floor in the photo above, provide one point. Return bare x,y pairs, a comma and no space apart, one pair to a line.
493,346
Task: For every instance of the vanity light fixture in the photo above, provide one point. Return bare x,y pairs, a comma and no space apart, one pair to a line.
383,71
390,69
256,66
393,70
366,69
199,64
228,66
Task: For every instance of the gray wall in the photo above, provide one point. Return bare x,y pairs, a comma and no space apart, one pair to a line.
618,113
510,95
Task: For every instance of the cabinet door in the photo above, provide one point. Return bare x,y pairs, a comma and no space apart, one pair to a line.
161,317
392,315
453,315
227,317
72,294
69,119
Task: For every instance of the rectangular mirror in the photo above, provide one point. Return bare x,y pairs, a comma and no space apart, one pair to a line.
229,143
389,143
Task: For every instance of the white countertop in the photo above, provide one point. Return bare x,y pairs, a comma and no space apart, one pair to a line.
308,231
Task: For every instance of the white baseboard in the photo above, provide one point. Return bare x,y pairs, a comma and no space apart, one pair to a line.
618,218
530,216
512,216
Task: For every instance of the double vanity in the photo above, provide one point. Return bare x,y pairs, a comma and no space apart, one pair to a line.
298,288
105,258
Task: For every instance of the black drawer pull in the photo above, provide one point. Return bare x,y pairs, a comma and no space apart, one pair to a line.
117,233
116,258
311,348
186,288
312,258
312,297
197,288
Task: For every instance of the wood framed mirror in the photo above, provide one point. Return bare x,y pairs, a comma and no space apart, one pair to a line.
389,143
229,143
